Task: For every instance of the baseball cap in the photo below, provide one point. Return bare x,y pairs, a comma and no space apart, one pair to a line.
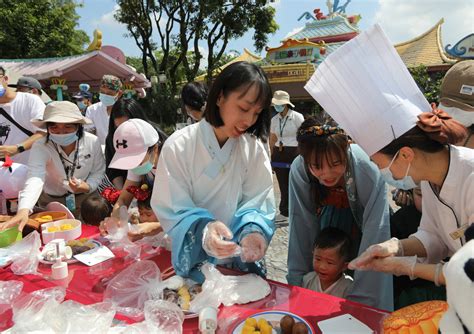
457,88
131,142
28,82
82,95
61,112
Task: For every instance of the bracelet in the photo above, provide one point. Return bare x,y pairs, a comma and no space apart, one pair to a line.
436,275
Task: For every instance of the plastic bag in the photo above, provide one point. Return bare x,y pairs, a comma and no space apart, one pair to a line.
31,310
118,236
160,317
163,317
44,311
228,290
131,288
23,254
9,291
73,317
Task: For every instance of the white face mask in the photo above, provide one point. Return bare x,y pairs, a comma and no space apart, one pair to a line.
466,118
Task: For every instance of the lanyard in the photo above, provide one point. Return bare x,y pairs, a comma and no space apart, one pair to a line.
282,127
74,163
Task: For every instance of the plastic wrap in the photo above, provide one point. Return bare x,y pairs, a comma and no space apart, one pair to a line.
163,317
23,255
129,290
9,291
228,290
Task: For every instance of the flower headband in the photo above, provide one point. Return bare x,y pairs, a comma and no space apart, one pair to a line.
140,193
320,130
110,194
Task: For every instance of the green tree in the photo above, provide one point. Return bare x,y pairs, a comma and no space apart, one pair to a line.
181,27
42,28
428,82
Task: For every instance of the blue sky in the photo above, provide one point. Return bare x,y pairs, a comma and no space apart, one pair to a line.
401,19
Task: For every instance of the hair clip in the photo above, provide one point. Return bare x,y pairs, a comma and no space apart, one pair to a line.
320,130
140,193
110,194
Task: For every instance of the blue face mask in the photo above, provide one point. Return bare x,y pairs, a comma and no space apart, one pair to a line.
81,105
143,169
107,100
64,140
279,108
406,183
3,90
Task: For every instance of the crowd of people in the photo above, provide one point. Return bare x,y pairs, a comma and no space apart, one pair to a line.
209,186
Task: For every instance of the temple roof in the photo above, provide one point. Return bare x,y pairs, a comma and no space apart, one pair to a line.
331,26
425,49
244,56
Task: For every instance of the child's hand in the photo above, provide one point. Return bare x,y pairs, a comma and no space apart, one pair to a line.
135,218
144,230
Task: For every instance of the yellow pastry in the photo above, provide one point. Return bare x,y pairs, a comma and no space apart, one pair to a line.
52,229
251,322
66,227
248,330
185,297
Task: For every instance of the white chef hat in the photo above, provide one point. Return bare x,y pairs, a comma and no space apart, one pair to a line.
367,89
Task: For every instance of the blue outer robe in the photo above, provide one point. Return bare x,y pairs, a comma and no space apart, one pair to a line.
369,209
198,182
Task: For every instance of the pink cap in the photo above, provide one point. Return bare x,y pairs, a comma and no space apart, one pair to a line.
131,142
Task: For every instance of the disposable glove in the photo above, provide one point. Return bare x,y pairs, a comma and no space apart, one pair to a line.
396,265
387,248
214,243
253,247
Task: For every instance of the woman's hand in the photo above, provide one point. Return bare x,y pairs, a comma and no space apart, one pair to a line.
78,186
20,219
213,240
387,248
253,247
396,265
144,230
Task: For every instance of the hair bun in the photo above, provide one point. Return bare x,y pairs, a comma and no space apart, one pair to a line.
439,126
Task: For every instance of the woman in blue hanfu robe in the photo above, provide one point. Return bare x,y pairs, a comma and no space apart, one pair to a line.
334,183
213,190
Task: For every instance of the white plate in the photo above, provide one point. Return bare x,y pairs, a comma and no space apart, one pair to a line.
71,260
272,316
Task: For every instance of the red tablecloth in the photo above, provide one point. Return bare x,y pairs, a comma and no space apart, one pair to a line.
86,284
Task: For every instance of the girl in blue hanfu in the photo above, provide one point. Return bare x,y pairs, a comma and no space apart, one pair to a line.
334,184
213,189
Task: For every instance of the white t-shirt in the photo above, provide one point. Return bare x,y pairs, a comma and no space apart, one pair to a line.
285,128
98,114
22,109
339,288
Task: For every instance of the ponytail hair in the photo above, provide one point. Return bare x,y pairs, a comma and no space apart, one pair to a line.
433,131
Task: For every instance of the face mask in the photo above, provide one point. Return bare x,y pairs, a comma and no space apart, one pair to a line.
143,169
466,118
64,140
107,100
406,183
3,90
279,108
81,105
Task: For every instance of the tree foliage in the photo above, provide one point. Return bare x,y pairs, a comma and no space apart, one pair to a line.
180,28
43,28
428,82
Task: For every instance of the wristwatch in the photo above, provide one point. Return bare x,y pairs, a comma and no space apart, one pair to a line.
20,148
